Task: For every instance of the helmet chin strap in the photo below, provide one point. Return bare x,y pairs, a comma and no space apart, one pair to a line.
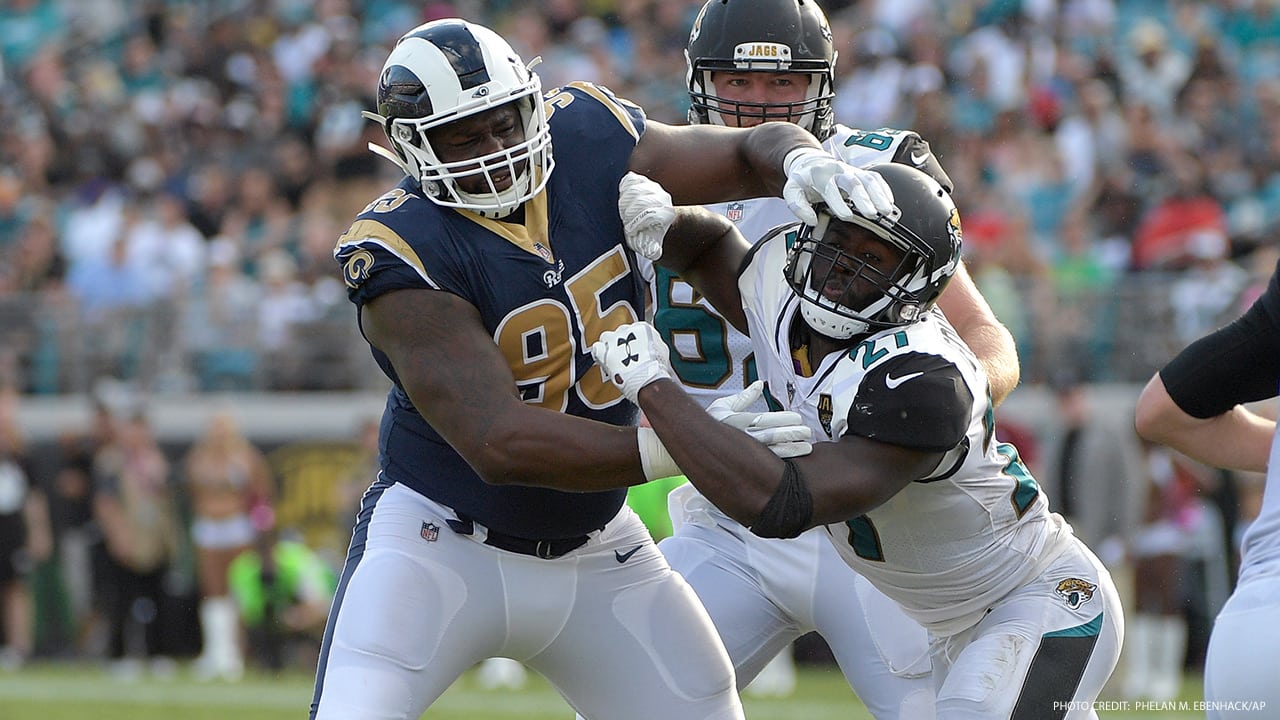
828,324
508,200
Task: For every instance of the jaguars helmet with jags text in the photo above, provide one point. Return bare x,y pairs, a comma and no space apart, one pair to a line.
926,227
780,36
449,69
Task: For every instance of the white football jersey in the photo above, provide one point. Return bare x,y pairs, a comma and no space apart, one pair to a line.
1260,546
711,358
947,547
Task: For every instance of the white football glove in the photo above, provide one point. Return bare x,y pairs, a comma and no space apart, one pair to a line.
814,176
646,212
783,431
632,356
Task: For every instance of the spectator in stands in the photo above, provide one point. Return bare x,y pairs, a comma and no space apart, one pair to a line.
284,303
166,246
1151,71
870,93
226,476
33,261
221,322
1187,211
27,27
135,506
259,219
15,210
1092,137
110,285
111,297
1206,295
93,222
25,538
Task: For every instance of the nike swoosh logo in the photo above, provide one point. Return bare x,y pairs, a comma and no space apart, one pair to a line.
625,556
893,382
918,160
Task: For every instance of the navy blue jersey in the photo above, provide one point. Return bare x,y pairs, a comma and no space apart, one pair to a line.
546,288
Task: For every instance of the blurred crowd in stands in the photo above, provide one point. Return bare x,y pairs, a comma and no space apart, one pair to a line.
174,173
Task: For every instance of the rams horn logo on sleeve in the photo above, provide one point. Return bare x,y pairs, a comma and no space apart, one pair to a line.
1076,592
356,269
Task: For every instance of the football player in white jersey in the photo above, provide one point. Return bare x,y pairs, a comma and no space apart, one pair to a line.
1194,405
911,486
750,62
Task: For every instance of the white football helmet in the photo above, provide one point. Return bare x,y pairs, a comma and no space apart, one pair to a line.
449,69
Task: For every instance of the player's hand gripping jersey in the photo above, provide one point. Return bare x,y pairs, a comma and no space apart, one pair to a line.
710,357
945,547
546,281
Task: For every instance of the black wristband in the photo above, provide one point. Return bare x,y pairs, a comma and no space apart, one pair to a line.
790,510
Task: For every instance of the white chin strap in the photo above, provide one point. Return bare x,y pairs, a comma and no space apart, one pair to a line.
508,201
826,323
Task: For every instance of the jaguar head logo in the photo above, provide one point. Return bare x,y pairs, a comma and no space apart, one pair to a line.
1075,592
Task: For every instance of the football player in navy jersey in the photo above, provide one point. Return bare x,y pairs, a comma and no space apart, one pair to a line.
1195,404
496,525
907,476
751,62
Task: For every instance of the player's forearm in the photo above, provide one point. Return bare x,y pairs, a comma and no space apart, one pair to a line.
996,350
541,448
732,470
766,148
1237,439
702,164
972,317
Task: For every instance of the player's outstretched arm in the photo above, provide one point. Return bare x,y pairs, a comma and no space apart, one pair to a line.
703,164
772,496
743,477
1237,439
985,335
459,380
1194,404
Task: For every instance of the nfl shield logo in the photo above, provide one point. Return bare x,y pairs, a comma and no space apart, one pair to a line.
430,532
734,212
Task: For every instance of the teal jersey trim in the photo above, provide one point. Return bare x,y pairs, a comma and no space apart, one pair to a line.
1089,629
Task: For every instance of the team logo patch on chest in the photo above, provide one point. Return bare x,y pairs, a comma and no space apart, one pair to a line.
430,532
825,412
1075,592
553,276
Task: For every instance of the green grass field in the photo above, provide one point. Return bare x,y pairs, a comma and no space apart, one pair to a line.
57,692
